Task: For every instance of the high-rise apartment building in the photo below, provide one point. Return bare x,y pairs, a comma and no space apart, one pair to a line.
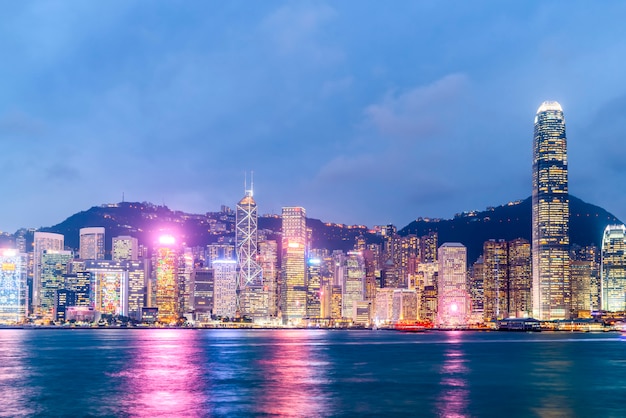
91,243
453,300
550,215
613,268
125,247
294,245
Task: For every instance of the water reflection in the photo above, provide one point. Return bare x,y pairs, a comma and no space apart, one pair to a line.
294,370
454,395
163,378
13,376
549,375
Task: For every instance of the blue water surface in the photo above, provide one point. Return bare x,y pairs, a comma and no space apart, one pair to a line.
309,373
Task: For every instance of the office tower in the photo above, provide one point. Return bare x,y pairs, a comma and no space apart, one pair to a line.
496,280
585,279
203,282
63,300
613,268
79,282
109,286
453,301
354,283
268,260
137,271
520,279
294,244
185,270
550,215
12,287
251,295
42,241
92,243
125,247
166,280
225,288
370,274
314,280
54,267
477,286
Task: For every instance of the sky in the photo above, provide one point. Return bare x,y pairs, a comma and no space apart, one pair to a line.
363,112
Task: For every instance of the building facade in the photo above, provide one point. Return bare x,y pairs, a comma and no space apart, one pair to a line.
550,215
91,243
613,268
294,250
453,299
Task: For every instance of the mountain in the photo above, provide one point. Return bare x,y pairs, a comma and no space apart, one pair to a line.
146,222
510,221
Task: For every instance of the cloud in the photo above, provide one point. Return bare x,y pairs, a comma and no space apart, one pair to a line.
293,25
419,112
62,172
337,86
18,123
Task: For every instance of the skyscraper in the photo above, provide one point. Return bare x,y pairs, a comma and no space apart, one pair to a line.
613,282
167,289
496,280
520,279
54,268
12,287
92,243
224,288
550,215
251,298
453,302
42,241
293,292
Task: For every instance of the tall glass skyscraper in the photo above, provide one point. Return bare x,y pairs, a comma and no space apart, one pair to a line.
293,291
613,274
550,224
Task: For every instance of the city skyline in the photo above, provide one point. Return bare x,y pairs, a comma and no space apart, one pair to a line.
341,108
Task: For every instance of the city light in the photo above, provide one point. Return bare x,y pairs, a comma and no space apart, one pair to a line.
167,240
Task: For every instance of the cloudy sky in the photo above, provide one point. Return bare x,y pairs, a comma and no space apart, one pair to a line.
361,111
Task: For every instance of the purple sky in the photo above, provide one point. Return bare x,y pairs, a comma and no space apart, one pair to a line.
360,111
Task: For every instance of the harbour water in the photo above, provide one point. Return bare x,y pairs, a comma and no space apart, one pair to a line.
309,373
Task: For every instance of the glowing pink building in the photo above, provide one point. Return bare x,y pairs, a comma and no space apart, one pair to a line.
453,300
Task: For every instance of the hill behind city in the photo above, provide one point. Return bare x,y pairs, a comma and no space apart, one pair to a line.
146,221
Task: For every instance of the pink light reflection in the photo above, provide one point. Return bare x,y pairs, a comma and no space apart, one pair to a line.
294,374
164,378
454,396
